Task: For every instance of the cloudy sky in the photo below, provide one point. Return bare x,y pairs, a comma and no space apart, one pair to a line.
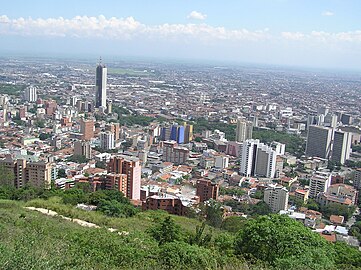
315,33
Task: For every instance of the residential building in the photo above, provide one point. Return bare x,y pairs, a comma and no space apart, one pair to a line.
302,195
117,181
257,159
357,179
319,183
339,194
276,197
31,94
129,166
107,140
82,148
188,133
87,129
244,130
174,153
172,204
207,190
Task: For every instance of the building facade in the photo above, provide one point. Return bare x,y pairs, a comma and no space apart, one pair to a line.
276,197
101,86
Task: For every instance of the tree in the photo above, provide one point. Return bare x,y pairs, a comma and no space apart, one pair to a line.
337,209
61,173
114,208
233,224
165,231
7,176
101,165
78,159
281,241
44,136
214,213
260,208
199,238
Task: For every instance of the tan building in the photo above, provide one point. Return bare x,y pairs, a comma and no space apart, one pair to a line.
82,148
117,182
302,195
36,174
129,166
87,129
207,190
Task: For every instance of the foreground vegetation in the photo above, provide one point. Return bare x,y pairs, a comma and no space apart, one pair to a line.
153,239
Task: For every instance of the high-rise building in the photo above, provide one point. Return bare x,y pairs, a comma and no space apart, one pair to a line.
244,130
50,107
207,190
82,148
174,153
357,179
257,159
319,182
188,133
107,140
101,86
341,148
319,141
129,166
116,181
87,129
36,174
276,197
31,94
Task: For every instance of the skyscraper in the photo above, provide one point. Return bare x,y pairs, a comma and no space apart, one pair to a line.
82,148
243,130
101,86
319,141
30,94
341,149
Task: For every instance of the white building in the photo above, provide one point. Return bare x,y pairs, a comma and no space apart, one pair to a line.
31,94
319,182
101,87
107,140
257,159
276,197
221,162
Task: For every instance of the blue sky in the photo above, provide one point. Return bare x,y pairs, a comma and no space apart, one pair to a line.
317,33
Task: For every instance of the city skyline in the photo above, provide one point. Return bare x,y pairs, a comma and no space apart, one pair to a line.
325,34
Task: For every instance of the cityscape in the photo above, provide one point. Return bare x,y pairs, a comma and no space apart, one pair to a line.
124,163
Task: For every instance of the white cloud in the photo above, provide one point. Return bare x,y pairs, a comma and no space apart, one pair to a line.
195,15
327,13
293,35
120,28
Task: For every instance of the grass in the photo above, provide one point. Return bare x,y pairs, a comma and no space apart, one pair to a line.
139,223
31,240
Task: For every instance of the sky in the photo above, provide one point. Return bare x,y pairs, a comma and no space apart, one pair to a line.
310,33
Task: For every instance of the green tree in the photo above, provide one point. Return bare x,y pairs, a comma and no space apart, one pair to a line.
7,176
114,208
279,241
214,213
77,159
61,173
200,238
233,224
166,231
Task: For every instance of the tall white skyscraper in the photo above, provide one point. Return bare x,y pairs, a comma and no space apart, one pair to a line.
257,159
341,148
244,130
319,182
31,94
319,141
107,140
101,86
276,197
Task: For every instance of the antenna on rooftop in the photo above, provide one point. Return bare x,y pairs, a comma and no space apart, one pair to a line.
100,60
